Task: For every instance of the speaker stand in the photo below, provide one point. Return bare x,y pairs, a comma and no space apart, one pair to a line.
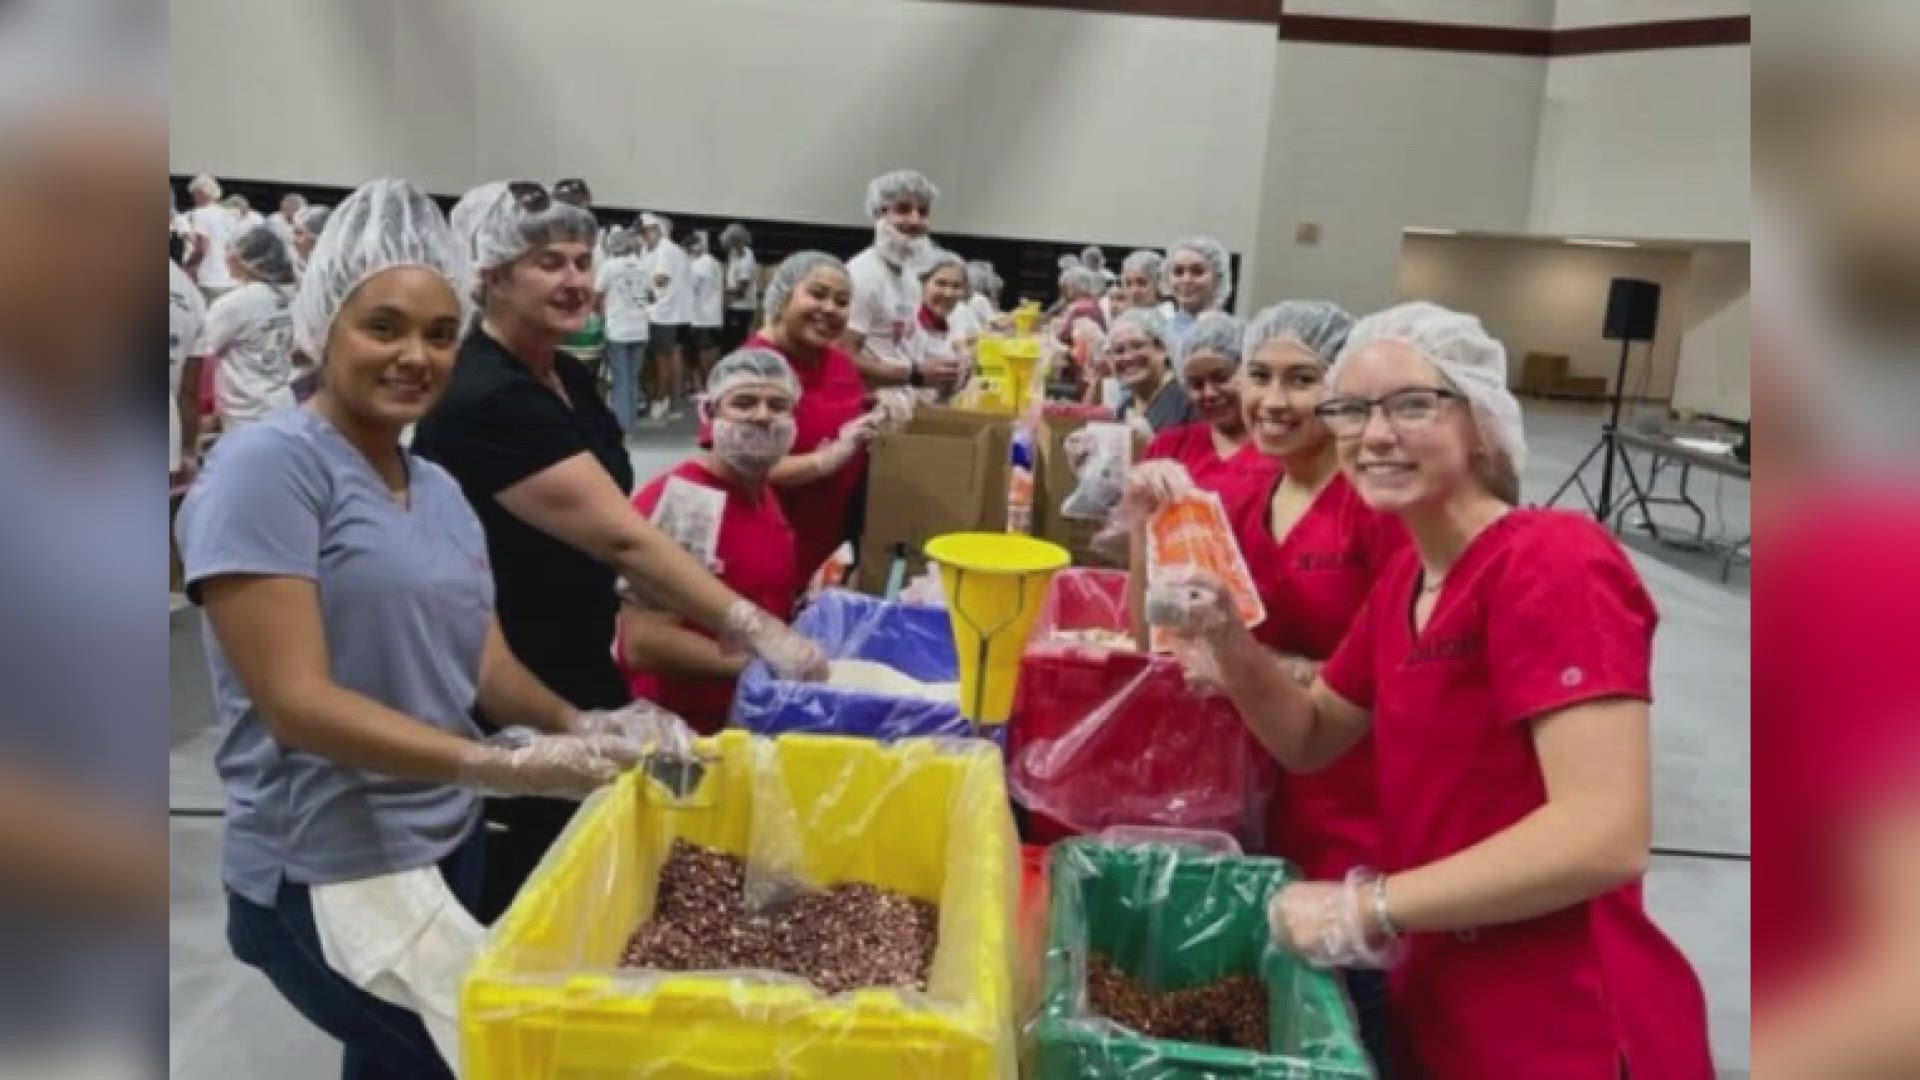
1602,508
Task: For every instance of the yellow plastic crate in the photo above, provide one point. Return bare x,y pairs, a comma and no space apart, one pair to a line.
546,1000
1006,366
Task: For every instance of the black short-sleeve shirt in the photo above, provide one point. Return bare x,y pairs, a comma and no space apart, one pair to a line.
499,425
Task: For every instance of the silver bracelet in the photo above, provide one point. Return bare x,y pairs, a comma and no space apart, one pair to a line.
1381,914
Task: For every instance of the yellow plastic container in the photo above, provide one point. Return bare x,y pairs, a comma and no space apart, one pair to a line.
1006,366
1026,317
546,1001
994,584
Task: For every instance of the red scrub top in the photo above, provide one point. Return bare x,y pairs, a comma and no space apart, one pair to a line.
1541,612
1313,584
756,560
1192,446
831,395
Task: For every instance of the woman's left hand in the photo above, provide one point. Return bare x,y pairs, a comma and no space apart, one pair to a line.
790,654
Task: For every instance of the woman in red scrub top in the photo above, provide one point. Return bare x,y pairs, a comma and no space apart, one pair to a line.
1504,667
1215,449
749,408
807,300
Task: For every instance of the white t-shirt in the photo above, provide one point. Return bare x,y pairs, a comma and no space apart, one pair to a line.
186,315
965,322
982,307
219,225
250,336
673,301
743,281
709,301
627,282
282,228
886,303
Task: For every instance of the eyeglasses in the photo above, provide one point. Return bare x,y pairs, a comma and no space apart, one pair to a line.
1406,410
572,190
529,195
1130,348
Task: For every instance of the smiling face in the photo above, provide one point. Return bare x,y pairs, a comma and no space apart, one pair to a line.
1397,465
1212,387
392,346
1190,276
1139,361
1282,384
1139,289
945,288
816,315
908,215
549,290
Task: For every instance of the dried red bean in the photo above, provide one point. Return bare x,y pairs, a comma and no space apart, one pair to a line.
1230,1011
841,938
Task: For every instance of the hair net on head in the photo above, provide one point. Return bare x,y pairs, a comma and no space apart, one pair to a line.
1093,256
204,185
1066,262
938,259
788,276
651,220
313,219
264,255
735,235
1144,261
497,230
883,191
751,365
1148,320
387,223
1216,333
982,278
1216,255
1083,280
697,242
1465,355
1318,326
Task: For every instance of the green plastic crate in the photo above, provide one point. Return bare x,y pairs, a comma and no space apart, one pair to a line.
1174,917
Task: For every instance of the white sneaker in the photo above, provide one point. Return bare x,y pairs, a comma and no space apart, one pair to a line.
658,411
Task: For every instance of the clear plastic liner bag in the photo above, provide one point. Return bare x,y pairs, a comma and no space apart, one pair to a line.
914,640
1103,734
1101,454
1172,916
549,997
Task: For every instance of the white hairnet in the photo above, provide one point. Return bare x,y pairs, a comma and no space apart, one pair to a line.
937,259
751,365
1465,355
1216,333
620,241
387,223
1318,326
1146,261
697,242
1093,257
788,276
734,235
496,230
1216,255
313,219
982,277
1067,262
264,255
1080,279
883,191
1149,320
204,185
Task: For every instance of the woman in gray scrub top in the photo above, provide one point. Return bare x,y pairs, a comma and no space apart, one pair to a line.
350,632
1137,347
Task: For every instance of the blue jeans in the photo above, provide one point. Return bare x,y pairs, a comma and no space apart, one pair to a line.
381,1040
624,362
1368,989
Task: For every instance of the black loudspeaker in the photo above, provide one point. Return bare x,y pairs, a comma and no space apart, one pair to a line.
1633,310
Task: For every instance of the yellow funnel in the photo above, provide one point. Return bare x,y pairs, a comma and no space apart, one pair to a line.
994,584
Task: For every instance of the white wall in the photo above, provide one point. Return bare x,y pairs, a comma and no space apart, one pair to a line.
1552,298
1647,144
1040,123
1365,141
1716,357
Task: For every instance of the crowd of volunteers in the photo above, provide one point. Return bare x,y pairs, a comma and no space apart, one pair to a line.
441,608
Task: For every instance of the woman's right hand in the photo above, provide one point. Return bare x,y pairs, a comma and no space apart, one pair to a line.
791,654
520,761
1151,485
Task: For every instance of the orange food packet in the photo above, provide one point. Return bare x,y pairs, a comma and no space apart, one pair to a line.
1193,531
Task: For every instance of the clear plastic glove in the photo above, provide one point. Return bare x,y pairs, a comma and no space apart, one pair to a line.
790,654
648,726
893,409
941,371
1151,485
1335,924
1197,612
521,761
854,434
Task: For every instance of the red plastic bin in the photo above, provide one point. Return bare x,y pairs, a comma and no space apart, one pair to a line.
1102,737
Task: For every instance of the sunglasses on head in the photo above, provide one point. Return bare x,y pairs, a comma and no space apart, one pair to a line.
529,195
572,191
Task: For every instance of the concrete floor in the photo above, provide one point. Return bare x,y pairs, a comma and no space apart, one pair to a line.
227,1022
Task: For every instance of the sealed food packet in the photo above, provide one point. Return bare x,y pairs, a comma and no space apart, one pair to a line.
1193,532
691,514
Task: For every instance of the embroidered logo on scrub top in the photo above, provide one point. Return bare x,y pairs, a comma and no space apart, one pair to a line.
1447,649
1572,677
1330,560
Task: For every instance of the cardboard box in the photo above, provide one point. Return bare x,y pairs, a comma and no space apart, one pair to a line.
947,472
1053,482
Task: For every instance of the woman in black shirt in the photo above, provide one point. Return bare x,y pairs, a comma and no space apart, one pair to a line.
543,462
